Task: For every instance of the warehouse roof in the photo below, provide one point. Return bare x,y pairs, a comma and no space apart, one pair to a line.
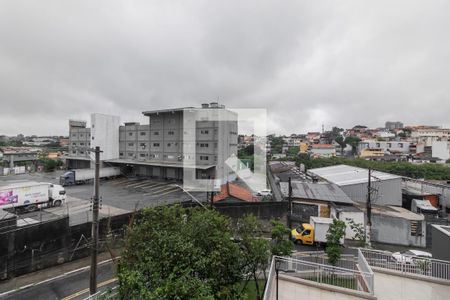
347,175
316,191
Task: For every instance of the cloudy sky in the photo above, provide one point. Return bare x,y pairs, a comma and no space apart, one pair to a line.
307,62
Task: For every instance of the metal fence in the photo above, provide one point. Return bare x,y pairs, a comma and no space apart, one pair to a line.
109,294
408,264
347,261
320,273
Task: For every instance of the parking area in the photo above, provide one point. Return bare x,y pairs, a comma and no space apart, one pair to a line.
118,196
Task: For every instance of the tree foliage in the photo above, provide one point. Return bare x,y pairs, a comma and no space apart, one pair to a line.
255,249
281,244
402,168
335,233
177,253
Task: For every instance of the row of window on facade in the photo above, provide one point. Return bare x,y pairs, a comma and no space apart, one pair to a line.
144,145
168,156
80,135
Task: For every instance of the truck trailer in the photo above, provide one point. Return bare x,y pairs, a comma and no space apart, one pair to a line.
30,195
80,176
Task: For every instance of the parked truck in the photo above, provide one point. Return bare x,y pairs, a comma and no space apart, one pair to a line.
314,232
30,195
80,176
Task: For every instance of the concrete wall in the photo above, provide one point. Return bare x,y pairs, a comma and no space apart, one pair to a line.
105,134
440,247
440,149
389,192
397,231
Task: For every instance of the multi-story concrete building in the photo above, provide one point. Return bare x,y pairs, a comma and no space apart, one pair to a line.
392,147
429,134
79,140
393,125
164,147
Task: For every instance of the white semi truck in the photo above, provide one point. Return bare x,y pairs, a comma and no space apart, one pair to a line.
31,195
80,176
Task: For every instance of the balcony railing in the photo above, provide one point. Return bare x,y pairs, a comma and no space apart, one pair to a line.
406,264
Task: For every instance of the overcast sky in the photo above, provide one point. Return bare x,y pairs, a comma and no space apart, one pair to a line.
308,62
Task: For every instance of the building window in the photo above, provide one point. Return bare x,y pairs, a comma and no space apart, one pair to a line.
143,145
389,145
204,131
142,133
81,135
130,133
400,145
74,144
131,144
130,154
92,138
156,133
203,157
170,132
169,144
155,144
142,154
204,145
416,228
81,152
74,152
378,145
120,153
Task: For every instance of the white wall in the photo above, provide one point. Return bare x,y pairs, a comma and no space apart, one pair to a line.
105,134
440,149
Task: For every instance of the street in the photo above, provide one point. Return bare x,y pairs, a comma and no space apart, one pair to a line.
72,286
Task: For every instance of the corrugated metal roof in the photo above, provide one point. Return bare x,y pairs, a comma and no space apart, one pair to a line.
316,191
347,175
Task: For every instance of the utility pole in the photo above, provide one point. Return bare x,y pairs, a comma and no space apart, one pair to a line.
94,233
211,194
289,219
369,209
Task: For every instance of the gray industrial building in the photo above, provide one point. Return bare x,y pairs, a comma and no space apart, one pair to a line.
387,188
397,226
440,247
161,148
18,156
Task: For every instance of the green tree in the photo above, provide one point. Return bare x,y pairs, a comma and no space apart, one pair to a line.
276,143
281,245
359,231
335,233
354,142
340,140
178,253
255,250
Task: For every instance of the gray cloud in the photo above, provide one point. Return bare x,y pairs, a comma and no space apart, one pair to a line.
308,63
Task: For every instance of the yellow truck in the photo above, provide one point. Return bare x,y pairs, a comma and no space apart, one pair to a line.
314,232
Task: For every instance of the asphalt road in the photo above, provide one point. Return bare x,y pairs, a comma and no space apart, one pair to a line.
73,286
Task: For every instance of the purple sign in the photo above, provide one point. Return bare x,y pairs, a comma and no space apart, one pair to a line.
8,198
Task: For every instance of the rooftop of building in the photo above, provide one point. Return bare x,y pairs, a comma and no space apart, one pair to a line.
18,150
442,228
316,191
212,105
322,146
347,175
392,211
